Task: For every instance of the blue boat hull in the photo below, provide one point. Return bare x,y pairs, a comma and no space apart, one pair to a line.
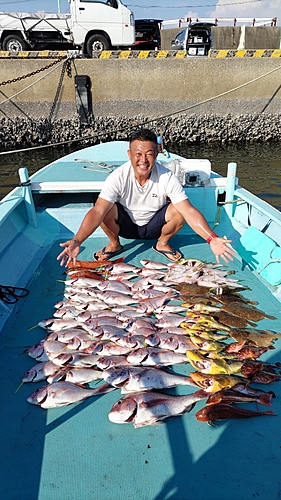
75,452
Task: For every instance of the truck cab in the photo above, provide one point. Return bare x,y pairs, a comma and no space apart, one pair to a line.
196,39
101,25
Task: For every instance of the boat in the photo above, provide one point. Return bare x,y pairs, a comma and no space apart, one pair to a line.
75,451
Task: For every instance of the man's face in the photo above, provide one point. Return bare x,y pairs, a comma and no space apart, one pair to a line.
142,155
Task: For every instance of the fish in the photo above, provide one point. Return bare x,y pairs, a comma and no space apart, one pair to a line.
131,341
207,345
82,282
214,383
234,296
150,356
107,348
40,372
135,379
150,293
105,362
128,315
121,277
167,320
122,267
264,377
92,264
92,324
43,350
67,335
76,359
83,273
250,391
115,286
231,320
63,393
229,396
176,343
224,411
218,281
201,308
116,298
150,264
149,305
65,312
192,289
204,334
75,375
95,306
150,408
260,338
212,366
205,320
141,323
250,368
169,308
245,311
88,315
243,351
58,324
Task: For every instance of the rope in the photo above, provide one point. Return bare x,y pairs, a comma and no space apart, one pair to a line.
11,294
70,141
31,85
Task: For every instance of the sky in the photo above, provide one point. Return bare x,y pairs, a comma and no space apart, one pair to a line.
166,9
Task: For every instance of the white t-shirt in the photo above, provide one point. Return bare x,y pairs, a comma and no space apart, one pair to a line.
141,202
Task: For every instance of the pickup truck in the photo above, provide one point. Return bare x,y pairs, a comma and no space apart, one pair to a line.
91,26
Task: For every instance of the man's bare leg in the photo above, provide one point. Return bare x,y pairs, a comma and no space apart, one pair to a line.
174,222
111,229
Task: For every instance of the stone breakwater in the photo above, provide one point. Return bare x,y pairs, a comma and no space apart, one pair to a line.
22,132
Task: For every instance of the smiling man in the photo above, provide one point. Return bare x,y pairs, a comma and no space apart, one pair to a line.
142,199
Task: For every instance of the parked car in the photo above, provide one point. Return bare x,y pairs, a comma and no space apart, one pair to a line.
148,36
196,39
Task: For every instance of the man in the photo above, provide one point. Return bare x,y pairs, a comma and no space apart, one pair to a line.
133,204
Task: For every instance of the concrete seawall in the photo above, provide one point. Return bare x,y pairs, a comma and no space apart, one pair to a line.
208,99
231,37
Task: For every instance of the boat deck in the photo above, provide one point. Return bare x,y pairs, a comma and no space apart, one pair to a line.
76,453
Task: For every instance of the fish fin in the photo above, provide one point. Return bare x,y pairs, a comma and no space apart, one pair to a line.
148,422
103,389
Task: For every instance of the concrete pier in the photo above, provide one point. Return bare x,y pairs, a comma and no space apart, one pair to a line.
189,99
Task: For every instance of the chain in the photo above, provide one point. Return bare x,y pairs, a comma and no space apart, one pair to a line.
31,74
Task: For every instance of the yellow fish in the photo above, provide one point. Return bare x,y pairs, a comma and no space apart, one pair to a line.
207,345
206,365
206,320
214,383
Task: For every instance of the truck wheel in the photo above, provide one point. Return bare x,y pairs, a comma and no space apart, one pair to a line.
97,43
14,43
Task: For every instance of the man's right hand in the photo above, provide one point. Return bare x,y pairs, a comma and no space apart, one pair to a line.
70,252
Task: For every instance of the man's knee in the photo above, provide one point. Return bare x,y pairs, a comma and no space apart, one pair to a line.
172,214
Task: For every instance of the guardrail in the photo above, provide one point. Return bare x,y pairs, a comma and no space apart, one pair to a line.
223,21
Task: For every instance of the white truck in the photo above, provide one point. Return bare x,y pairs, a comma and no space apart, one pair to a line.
92,25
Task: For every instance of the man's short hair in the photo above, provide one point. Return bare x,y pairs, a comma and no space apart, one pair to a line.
144,135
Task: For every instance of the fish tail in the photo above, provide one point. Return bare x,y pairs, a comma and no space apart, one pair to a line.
265,399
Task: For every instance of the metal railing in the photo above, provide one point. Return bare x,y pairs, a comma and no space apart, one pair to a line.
225,21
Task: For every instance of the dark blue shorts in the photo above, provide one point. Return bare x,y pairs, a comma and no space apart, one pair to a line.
130,230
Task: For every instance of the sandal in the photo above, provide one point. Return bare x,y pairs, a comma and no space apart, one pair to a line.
166,253
109,255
